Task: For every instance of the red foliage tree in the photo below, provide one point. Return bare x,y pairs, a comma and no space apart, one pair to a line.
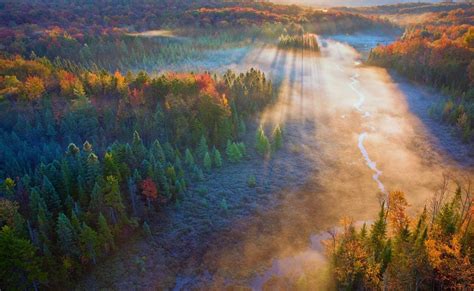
149,190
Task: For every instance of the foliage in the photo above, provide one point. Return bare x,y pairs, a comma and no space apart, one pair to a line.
432,252
438,53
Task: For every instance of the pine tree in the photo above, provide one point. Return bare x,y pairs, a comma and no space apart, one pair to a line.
202,148
106,238
233,153
277,138
217,157
36,203
158,152
138,148
378,234
93,170
189,159
262,144
66,238
51,196
207,162
113,198
110,167
97,199
89,243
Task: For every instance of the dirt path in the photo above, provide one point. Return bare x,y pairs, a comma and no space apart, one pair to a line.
351,133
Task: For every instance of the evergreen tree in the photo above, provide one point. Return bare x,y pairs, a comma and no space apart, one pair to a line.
66,237
138,148
36,203
89,243
207,162
262,144
106,238
189,159
158,152
277,138
113,198
51,196
97,199
217,157
202,148
110,166
233,153
93,170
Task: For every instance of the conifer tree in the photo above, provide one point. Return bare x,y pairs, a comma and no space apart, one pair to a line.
106,238
262,144
277,138
89,243
138,148
51,196
66,238
189,159
207,162
113,198
217,157
97,199
202,148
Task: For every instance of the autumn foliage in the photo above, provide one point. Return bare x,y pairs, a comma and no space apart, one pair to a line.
431,251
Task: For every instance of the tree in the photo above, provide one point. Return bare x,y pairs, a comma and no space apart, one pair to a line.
149,190
138,148
89,243
113,198
216,155
202,148
233,152
105,236
33,88
20,266
188,158
51,196
207,162
262,144
277,137
66,237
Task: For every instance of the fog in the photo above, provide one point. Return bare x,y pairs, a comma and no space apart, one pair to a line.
357,125
351,134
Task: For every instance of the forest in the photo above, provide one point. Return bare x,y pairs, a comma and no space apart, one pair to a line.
437,52
104,130
82,153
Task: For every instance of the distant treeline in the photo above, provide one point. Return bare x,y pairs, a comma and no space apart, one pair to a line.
442,56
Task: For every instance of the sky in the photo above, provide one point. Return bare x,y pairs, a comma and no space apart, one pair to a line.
331,3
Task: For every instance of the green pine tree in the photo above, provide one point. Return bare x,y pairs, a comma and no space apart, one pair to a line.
89,243
207,162
66,238
106,238
216,155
